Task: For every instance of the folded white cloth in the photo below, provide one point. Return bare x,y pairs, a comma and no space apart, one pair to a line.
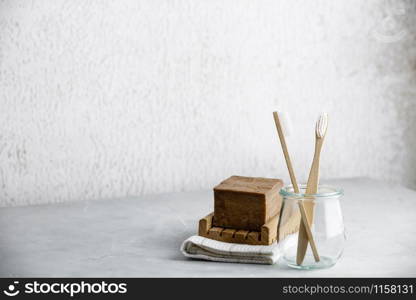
203,248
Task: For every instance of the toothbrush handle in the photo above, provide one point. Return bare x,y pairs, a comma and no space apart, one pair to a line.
307,228
305,234
311,188
285,152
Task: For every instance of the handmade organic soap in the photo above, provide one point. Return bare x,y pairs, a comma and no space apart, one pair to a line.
246,202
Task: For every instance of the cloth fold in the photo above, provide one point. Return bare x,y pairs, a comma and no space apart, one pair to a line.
207,249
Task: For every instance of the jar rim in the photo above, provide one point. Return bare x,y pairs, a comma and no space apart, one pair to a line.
287,191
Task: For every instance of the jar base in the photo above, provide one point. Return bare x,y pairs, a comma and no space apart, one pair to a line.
310,264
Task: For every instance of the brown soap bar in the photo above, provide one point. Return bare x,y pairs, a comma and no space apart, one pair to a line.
246,203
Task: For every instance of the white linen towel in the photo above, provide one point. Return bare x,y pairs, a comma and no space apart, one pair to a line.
207,249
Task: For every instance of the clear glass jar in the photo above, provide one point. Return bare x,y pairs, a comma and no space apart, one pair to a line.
327,227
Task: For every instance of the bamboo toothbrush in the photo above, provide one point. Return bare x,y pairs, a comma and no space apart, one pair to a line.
281,134
312,186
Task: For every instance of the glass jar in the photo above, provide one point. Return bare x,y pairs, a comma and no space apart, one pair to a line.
327,227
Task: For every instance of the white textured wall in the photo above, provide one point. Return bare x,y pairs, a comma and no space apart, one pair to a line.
112,98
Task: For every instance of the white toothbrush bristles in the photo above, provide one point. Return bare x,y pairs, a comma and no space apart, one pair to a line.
321,125
285,123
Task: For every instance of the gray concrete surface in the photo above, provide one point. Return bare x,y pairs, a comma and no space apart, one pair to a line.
140,237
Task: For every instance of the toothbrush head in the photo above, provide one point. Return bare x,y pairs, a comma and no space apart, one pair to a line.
321,125
285,123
